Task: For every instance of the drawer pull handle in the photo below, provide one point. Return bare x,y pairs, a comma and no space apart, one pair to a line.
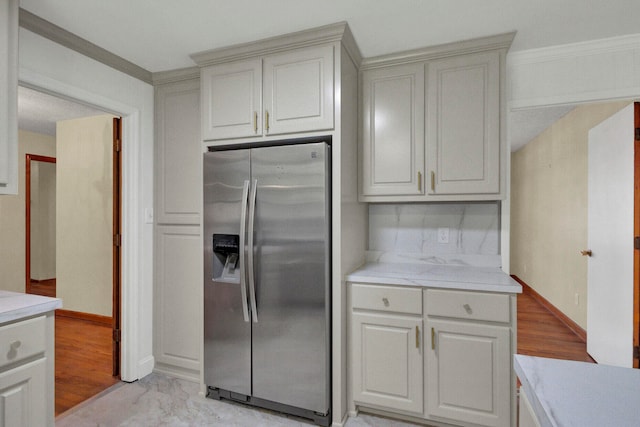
418,337
385,301
467,308
13,349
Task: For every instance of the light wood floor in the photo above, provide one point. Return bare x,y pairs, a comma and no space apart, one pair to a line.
83,350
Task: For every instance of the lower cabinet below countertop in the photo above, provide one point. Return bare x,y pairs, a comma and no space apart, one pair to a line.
433,354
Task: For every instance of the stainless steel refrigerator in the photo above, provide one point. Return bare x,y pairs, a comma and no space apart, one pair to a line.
267,258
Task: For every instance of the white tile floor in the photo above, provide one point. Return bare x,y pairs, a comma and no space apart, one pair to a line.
157,400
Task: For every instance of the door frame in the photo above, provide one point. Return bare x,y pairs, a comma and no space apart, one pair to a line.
117,242
27,194
636,232
135,356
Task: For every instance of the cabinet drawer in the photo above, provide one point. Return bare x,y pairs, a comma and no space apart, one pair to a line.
386,298
468,305
22,340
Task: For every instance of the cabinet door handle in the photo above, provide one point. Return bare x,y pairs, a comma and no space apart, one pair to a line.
255,122
418,337
266,120
433,339
419,182
433,181
467,308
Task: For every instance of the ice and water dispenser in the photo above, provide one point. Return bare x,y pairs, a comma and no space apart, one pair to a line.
226,266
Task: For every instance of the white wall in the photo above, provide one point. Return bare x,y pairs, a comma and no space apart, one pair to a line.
84,220
53,68
12,215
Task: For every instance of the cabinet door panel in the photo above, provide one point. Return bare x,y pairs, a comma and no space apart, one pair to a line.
23,397
469,373
178,299
178,152
464,124
298,91
387,355
393,130
231,100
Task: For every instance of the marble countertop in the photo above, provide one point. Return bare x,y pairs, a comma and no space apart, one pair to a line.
489,279
568,393
15,305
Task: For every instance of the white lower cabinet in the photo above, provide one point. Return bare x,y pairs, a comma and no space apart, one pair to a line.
389,351
27,372
22,395
526,417
468,367
456,370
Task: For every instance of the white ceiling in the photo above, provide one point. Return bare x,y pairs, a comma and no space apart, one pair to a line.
39,112
159,35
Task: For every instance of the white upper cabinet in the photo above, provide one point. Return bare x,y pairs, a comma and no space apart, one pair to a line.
178,153
463,137
290,92
393,130
9,97
432,123
231,101
298,91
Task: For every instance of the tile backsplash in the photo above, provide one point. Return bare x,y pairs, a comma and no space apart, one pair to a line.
472,228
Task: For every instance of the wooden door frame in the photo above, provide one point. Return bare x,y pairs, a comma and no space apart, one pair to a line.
27,194
117,242
636,232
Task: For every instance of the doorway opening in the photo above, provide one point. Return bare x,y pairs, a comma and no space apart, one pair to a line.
86,250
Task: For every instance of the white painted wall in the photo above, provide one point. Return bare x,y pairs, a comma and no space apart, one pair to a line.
12,214
54,68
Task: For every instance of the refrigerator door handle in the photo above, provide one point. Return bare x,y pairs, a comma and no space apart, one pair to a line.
242,251
252,217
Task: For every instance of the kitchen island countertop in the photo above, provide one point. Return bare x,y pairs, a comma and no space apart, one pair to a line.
16,305
570,393
445,276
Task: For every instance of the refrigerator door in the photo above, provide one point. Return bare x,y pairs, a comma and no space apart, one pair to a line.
227,330
291,266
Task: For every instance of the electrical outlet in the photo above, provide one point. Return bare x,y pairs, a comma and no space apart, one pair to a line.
443,235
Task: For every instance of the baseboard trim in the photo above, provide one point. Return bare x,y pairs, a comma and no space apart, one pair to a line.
575,328
89,317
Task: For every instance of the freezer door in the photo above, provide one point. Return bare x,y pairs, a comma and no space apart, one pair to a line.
291,266
227,333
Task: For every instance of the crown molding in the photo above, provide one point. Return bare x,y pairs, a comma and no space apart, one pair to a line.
174,76
312,37
481,44
59,35
572,50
